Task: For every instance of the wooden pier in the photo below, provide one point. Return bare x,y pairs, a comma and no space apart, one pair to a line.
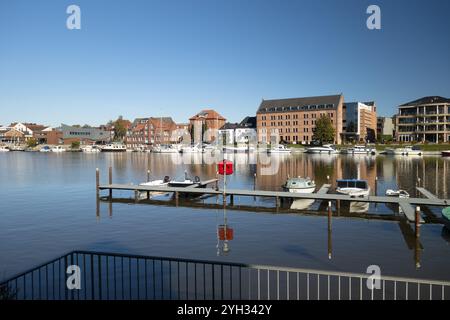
409,206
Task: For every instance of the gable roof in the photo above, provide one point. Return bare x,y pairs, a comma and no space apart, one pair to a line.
208,114
248,122
294,104
426,100
229,126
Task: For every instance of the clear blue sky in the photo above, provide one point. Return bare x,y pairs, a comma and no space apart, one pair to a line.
151,58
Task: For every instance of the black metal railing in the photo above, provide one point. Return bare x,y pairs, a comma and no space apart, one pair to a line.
110,276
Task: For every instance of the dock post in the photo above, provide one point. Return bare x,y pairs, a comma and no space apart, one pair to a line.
97,182
176,198
417,222
254,181
148,180
136,196
376,185
277,200
231,200
110,183
330,213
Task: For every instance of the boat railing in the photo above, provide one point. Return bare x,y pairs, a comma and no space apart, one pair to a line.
115,276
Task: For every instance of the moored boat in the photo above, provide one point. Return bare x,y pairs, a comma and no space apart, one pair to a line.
192,149
90,149
45,149
114,147
280,149
359,150
325,149
353,187
187,182
155,183
57,149
397,193
404,151
446,217
4,149
300,185
446,153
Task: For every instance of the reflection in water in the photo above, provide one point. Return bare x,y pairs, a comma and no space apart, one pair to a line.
57,215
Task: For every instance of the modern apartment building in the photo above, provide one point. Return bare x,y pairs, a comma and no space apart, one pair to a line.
293,120
84,135
385,127
424,120
359,122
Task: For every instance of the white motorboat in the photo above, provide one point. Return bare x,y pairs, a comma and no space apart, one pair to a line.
90,149
155,183
404,151
359,150
187,182
300,185
4,149
446,153
325,149
17,147
397,193
280,149
165,148
57,149
353,188
114,147
45,149
192,149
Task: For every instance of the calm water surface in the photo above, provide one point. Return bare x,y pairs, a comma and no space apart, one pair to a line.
48,207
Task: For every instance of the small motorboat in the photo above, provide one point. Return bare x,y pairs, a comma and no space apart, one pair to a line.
280,149
155,183
165,148
192,149
300,185
45,149
187,182
17,147
57,149
359,150
404,151
446,153
4,149
397,193
353,187
114,147
90,149
446,217
325,149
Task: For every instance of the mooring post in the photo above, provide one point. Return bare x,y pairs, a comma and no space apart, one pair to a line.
330,213
254,181
110,183
231,200
417,222
136,195
176,198
277,200
97,182
376,186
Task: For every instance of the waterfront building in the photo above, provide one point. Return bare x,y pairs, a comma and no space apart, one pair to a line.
293,120
239,133
206,121
385,127
359,122
11,135
137,134
83,135
160,130
424,120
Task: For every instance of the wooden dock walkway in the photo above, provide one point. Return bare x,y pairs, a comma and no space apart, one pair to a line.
322,194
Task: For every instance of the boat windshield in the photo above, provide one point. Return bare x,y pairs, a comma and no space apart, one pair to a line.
360,184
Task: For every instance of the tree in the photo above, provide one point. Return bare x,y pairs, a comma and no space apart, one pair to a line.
31,143
325,131
75,145
120,129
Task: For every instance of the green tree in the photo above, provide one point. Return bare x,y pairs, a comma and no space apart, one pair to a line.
75,145
120,129
31,143
325,131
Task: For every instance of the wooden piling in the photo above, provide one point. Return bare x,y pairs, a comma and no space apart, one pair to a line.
232,200
97,182
110,182
177,196
254,181
417,222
